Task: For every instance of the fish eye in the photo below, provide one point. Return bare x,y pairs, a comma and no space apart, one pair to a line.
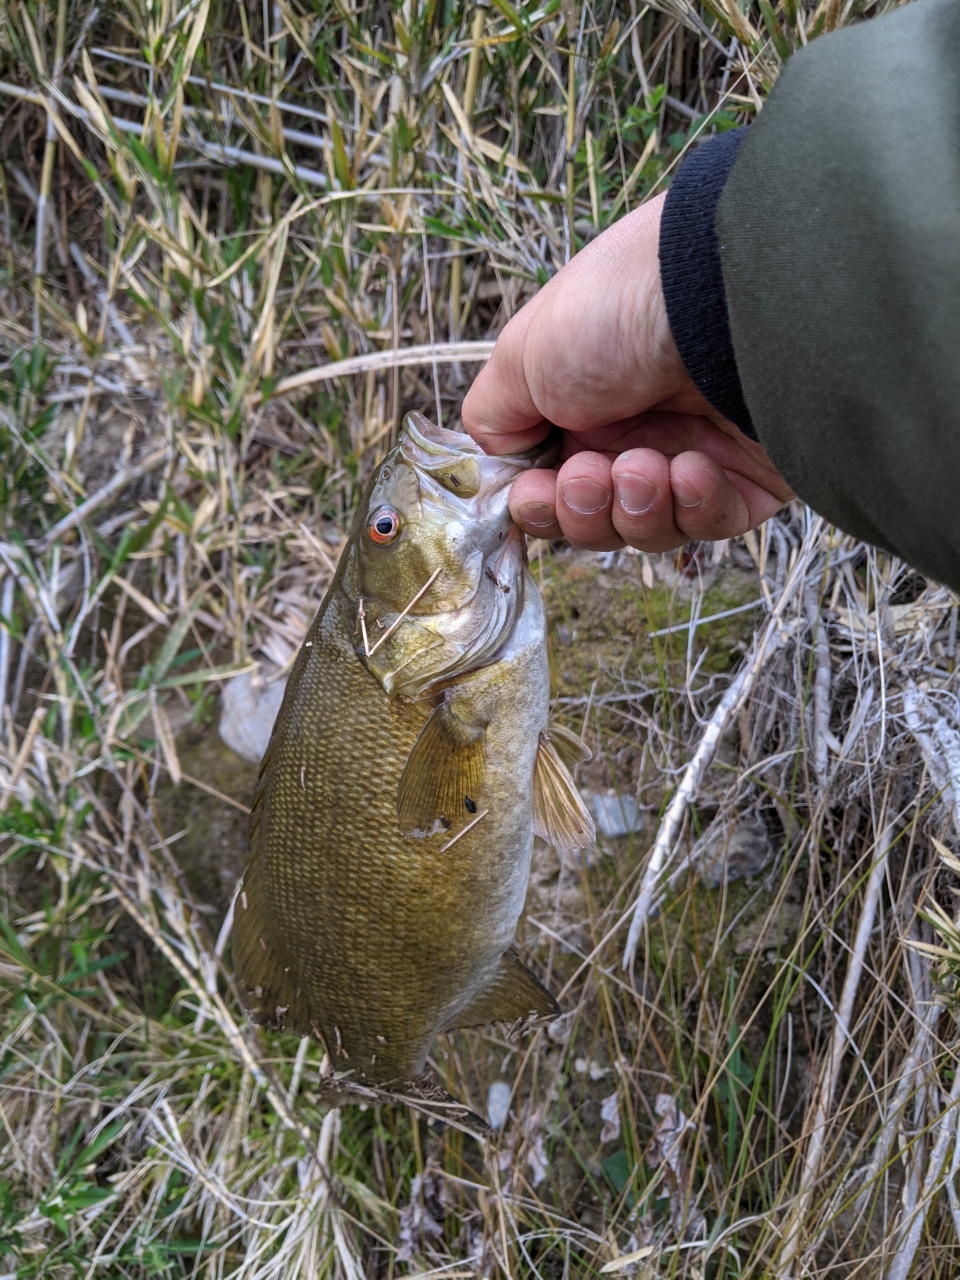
384,525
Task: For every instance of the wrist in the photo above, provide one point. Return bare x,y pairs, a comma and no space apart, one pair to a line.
691,277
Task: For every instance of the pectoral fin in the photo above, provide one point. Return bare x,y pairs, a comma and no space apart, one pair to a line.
443,772
571,749
559,815
514,993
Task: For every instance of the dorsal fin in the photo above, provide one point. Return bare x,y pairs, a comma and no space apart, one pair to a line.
559,814
513,994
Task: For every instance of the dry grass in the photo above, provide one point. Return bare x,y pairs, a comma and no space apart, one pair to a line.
200,202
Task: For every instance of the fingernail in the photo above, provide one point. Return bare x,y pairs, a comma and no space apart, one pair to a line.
538,515
635,494
585,497
684,495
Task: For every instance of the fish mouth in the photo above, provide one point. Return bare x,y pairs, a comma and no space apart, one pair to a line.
432,448
436,440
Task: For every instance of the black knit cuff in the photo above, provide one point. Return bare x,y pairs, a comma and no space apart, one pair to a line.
692,278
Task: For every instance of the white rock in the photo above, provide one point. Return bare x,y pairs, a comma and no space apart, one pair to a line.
537,1161
559,1029
498,1103
616,815
249,708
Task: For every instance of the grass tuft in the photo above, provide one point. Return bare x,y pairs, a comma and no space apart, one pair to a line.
239,242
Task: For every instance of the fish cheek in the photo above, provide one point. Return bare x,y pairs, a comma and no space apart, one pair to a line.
391,576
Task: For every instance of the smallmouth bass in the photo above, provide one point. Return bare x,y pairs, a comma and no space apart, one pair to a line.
410,765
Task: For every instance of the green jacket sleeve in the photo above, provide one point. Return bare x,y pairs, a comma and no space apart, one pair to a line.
839,233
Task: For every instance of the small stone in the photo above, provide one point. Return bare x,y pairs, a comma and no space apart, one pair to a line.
559,1029
734,852
249,708
590,1067
616,816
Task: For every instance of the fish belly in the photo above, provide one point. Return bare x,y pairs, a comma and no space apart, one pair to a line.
346,928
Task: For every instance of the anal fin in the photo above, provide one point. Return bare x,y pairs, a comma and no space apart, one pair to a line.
265,983
443,775
559,815
513,994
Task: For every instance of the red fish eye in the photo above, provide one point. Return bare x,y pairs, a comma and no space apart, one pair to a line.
384,525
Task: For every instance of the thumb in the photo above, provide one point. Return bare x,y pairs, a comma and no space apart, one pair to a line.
499,410
593,347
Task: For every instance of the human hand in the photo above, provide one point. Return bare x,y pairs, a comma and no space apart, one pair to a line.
646,460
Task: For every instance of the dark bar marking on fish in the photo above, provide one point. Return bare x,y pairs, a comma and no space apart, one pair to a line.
367,652
471,805
463,831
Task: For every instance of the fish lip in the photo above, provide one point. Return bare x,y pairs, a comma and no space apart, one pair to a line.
427,448
439,441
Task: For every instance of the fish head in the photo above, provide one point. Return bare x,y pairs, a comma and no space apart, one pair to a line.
440,563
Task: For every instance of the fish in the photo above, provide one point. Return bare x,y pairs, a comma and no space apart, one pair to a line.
410,765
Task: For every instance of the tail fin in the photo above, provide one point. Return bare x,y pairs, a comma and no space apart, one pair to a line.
424,1094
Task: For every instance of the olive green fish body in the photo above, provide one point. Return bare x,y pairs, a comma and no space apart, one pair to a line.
391,834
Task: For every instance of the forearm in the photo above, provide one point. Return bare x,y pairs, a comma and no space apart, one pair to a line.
839,235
